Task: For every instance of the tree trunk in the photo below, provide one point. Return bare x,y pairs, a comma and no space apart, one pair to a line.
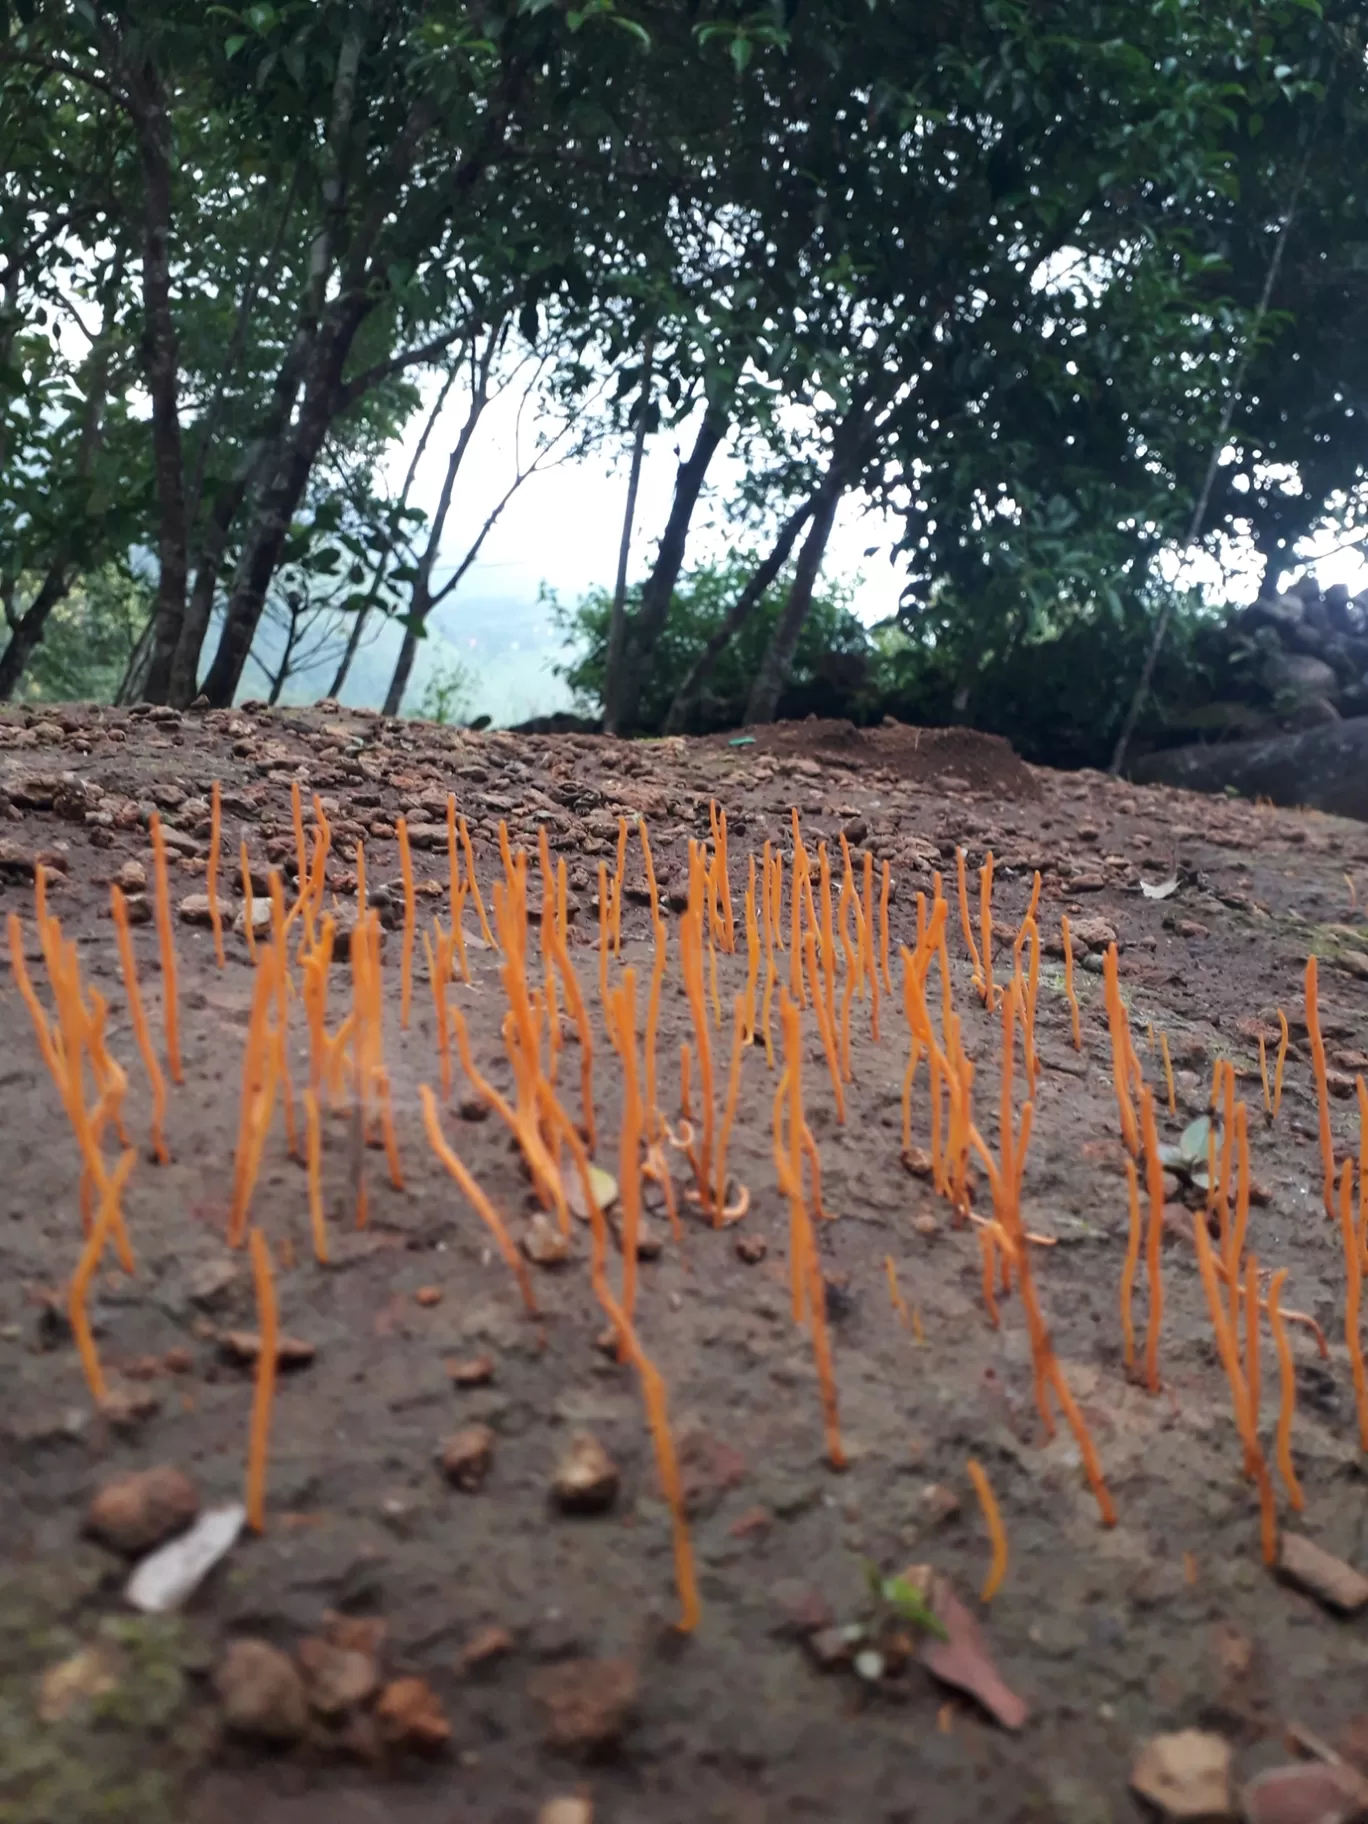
362,614
774,668
27,631
422,599
161,361
621,693
283,669
617,619
740,613
403,668
266,536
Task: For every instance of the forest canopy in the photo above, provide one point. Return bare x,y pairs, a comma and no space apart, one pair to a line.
1061,286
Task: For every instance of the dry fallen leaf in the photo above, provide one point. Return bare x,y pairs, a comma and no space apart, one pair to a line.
605,1191
963,1658
1187,1775
1301,1794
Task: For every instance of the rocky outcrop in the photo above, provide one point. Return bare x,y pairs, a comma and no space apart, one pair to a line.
1297,660
1323,768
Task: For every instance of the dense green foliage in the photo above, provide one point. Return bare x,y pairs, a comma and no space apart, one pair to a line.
830,668
1058,694
1009,270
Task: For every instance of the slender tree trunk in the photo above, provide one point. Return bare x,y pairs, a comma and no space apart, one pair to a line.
324,394
423,600
161,361
283,669
773,672
621,693
617,620
750,597
362,614
27,632
267,534
403,669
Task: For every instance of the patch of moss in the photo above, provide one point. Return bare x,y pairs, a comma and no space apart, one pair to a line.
118,1755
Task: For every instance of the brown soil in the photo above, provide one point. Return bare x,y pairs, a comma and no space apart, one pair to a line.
1167,1621
954,759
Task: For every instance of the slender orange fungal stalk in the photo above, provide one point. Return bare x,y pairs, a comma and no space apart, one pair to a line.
1287,1379
1282,1059
1353,1294
1313,1032
1168,1073
997,1533
1252,1370
653,1391
1154,1178
965,926
1069,990
166,939
1132,1263
211,869
631,1134
1235,1245
473,880
406,951
752,951
138,1019
1228,1351
827,1035
739,1043
885,887
986,930
91,1254
988,1247
605,931
1121,1053
263,1397
314,1145
481,1204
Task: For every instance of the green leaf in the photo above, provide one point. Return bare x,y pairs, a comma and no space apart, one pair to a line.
1193,1144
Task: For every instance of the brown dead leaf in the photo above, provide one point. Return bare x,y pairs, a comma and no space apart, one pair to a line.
1303,1793
963,1660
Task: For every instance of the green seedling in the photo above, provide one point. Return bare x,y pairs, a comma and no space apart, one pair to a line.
1188,1160
905,1601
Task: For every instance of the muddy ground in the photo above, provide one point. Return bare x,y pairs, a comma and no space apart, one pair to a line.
1167,1621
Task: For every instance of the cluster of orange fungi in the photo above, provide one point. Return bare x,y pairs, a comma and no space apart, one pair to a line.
837,941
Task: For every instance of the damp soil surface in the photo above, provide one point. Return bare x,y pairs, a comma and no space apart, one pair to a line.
494,1597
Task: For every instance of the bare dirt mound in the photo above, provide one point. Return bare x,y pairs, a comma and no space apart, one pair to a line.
440,1634
961,759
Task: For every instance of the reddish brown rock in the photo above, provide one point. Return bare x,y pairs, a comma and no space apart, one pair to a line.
468,1457
586,1478
409,1715
588,1704
339,1679
478,1371
138,1512
261,1692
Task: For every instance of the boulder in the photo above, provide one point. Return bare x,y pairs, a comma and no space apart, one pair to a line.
1280,611
1324,769
1297,674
